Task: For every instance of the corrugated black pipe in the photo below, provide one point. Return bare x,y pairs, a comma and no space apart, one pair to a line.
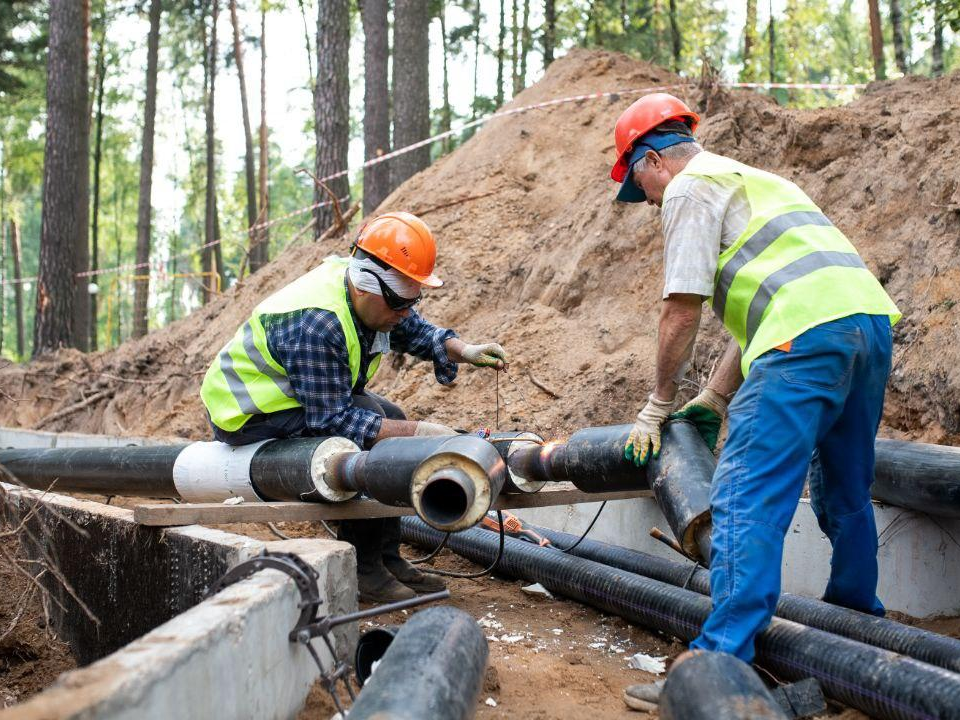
883,633
918,476
433,669
877,682
716,686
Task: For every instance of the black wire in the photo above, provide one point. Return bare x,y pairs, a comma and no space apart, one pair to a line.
474,576
433,553
585,532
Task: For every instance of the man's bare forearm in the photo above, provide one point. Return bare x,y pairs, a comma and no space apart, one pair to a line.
727,378
396,428
679,322
454,347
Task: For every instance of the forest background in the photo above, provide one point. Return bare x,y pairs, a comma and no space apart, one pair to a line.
141,141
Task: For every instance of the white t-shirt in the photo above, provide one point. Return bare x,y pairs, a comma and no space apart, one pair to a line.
701,218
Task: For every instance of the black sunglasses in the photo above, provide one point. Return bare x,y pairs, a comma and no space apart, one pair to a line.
394,302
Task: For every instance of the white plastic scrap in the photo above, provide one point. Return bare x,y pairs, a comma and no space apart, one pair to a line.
233,501
491,702
536,589
511,638
648,663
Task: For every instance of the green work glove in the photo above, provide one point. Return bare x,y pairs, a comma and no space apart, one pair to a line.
706,412
644,440
486,355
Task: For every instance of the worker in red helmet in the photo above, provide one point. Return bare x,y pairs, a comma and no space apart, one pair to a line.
300,366
806,366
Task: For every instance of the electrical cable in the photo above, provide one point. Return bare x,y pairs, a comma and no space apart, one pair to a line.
482,573
433,553
586,532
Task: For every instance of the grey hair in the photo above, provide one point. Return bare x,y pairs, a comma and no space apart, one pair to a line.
674,152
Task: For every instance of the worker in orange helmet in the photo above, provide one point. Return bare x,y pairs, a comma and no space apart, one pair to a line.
804,372
300,365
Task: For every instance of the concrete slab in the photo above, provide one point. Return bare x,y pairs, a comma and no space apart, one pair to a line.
919,555
226,657
22,438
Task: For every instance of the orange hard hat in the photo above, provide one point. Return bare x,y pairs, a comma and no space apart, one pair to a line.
404,242
642,117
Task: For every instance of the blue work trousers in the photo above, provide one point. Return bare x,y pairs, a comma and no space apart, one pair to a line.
824,395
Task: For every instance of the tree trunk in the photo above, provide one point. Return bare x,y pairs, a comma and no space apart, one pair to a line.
62,313
332,104
747,74
772,42
876,40
446,113
899,46
248,165
675,39
411,86
306,37
262,251
3,268
936,51
525,42
514,49
376,102
17,253
549,31
501,41
141,287
476,58
95,220
209,224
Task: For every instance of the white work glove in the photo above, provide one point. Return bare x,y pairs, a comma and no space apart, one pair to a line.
486,355
644,440
425,429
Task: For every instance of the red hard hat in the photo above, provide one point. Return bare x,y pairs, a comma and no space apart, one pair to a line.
642,117
404,242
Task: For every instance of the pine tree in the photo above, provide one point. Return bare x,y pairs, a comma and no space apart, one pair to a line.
376,102
331,104
411,87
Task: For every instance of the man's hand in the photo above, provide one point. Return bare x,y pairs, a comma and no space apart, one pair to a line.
486,355
425,429
706,412
644,440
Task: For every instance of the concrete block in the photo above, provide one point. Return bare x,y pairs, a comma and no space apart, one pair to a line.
16,438
23,438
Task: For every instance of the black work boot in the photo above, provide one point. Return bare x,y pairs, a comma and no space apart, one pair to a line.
374,583
402,570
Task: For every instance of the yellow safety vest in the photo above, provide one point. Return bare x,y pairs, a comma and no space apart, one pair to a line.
790,269
246,380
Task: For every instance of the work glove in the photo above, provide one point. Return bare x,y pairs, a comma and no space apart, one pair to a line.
644,440
706,412
425,429
486,355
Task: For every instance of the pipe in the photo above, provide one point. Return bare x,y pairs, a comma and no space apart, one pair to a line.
289,469
370,650
450,481
918,476
883,633
716,686
877,682
680,478
433,669
510,443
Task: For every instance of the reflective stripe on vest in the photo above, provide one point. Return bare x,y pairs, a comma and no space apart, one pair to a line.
789,270
245,380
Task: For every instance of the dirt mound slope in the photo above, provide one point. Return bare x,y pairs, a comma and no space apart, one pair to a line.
537,255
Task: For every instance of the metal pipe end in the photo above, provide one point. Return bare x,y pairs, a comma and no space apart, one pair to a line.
452,490
520,483
325,481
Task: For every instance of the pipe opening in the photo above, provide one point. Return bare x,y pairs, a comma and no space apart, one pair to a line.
370,649
446,498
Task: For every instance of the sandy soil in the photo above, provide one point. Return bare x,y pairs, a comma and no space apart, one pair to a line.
537,255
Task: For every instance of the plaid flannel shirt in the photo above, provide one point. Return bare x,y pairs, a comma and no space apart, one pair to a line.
312,348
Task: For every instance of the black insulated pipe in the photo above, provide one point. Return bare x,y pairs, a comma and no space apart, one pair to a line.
883,633
136,471
918,476
680,478
450,481
371,648
716,686
874,681
433,669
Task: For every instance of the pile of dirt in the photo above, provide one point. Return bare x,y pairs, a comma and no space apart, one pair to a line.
537,255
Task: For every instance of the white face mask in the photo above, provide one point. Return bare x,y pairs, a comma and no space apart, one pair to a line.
394,279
